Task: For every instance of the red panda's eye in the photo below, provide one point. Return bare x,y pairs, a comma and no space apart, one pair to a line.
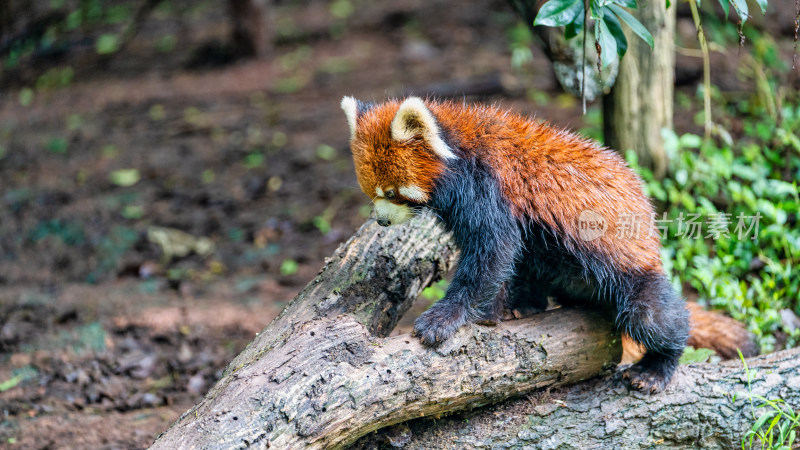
390,193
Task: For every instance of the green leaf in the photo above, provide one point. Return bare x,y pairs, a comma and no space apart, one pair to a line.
107,44
575,27
762,420
125,177
608,45
326,152
693,355
635,25
289,267
342,9
784,429
597,14
725,6
10,383
741,9
689,140
763,5
557,13
627,3
57,145
25,96
616,30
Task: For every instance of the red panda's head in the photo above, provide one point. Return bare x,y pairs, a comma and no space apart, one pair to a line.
398,154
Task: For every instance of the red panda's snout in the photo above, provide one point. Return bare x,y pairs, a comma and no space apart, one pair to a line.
389,213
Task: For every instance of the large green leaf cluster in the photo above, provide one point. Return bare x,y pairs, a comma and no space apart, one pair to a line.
606,18
754,280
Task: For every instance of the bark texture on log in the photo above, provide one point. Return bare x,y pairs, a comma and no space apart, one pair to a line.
320,374
705,406
640,103
332,383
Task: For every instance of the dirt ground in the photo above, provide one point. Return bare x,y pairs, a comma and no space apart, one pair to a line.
112,323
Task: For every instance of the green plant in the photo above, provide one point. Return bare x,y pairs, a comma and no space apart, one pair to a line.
606,18
776,428
289,267
435,291
125,177
744,196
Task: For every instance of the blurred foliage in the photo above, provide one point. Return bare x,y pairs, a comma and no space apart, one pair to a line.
70,21
520,40
693,355
752,276
289,267
124,177
70,233
435,291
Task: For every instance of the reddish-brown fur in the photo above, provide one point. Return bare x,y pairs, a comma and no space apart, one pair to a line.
548,175
397,163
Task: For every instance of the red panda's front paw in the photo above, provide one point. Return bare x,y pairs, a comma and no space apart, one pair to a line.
438,323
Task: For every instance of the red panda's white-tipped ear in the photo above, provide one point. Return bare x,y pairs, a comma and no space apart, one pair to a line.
415,119
350,107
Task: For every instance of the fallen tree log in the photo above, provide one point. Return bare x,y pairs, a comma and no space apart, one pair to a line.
706,406
321,375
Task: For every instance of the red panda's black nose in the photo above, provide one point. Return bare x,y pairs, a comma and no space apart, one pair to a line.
384,222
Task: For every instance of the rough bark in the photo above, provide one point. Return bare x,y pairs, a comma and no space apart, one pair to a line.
639,105
705,406
320,375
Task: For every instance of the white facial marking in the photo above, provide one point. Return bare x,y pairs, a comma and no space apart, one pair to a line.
350,107
396,214
379,192
414,193
413,119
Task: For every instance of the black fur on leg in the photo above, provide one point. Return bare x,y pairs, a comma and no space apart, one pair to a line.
654,316
526,293
468,201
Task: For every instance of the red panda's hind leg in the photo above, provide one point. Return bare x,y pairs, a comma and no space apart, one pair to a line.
653,315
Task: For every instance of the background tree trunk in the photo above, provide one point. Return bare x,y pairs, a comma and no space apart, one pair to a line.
640,103
251,32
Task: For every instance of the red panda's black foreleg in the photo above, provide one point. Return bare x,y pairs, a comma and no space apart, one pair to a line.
469,203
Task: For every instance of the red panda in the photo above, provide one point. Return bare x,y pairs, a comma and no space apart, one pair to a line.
537,212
